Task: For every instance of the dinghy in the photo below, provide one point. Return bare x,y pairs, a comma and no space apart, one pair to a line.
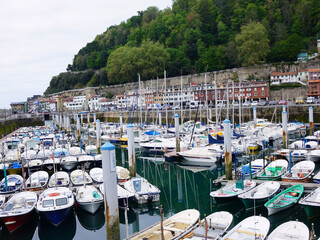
86,160
144,192
79,177
231,191
55,204
311,203
256,167
123,175
284,200
254,227
212,226
96,174
50,163
274,170
11,185
300,172
68,163
259,195
37,181
59,179
18,209
173,227
89,198
290,230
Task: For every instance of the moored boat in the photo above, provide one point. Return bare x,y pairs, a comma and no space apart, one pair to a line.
18,209
68,163
198,157
256,167
254,227
96,174
231,191
89,198
311,203
12,184
290,230
86,160
300,172
274,170
212,226
173,227
79,177
123,175
284,199
259,195
37,181
55,204
59,179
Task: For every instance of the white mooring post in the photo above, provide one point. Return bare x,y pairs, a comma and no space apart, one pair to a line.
110,191
121,123
284,129
78,129
160,120
311,120
255,117
81,116
60,122
227,149
88,118
94,120
98,132
68,125
176,124
65,122
131,153
284,108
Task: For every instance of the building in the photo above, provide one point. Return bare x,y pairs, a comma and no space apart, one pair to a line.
19,107
302,56
318,45
314,82
78,103
93,102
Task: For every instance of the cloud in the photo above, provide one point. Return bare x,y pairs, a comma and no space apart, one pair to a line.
39,38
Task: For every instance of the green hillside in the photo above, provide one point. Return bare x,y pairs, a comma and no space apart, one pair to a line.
194,36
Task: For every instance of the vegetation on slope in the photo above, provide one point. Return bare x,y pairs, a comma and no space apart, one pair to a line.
195,36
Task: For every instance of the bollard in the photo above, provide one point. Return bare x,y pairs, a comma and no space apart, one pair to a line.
227,149
311,120
176,124
255,117
98,132
121,125
284,129
131,153
78,129
110,191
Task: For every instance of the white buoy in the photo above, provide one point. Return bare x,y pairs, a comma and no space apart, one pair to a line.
284,129
311,120
110,191
78,129
227,149
176,124
98,132
131,153
255,117
121,125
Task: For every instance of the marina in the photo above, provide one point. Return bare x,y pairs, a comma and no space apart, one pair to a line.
165,184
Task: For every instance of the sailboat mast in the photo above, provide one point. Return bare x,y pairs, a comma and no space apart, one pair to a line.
228,99
181,99
205,80
166,97
215,97
140,100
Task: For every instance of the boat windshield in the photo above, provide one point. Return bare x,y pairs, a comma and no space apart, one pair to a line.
47,203
61,201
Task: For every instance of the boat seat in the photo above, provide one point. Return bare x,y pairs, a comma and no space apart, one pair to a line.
172,229
250,233
285,201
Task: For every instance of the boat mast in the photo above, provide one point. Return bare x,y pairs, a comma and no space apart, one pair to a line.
181,99
140,100
166,97
215,97
205,80
228,99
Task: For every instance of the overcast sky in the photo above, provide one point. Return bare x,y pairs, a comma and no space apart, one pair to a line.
39,38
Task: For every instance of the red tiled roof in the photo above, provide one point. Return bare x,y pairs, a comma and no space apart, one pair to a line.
314,70
283,74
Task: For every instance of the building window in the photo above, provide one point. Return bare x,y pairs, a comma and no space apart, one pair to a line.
263,94
255,89
255,94
262,88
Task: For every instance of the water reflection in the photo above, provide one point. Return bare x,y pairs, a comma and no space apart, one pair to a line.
90,221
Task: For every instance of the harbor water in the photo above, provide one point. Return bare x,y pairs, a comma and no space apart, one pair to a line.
181,188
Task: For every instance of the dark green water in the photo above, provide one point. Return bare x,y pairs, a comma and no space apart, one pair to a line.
181,188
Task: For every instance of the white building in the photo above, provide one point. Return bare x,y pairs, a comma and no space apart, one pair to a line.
78,103
94,103
278,78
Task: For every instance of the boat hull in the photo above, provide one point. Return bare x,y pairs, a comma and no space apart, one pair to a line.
90,207
198,161
57,216
252,203
312,211
143,199
272,211
14,222
68,166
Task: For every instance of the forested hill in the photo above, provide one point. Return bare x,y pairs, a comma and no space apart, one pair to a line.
194,36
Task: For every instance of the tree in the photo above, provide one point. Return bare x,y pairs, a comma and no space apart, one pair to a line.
252,44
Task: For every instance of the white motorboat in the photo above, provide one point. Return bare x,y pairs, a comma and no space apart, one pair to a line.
18,209
143,191
256,167
123,175
162,144
68,163
298,155
199,156
37,181
212,226
316,178
76,151
314,155
79,177
259,195
124,196
254,227
311,145
55,204
311,203
59,179
300,172
274,170
49,164
290,230
91,149
173,227
34,164
98,160
14,184
89,198
86,160
96,174
231,191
